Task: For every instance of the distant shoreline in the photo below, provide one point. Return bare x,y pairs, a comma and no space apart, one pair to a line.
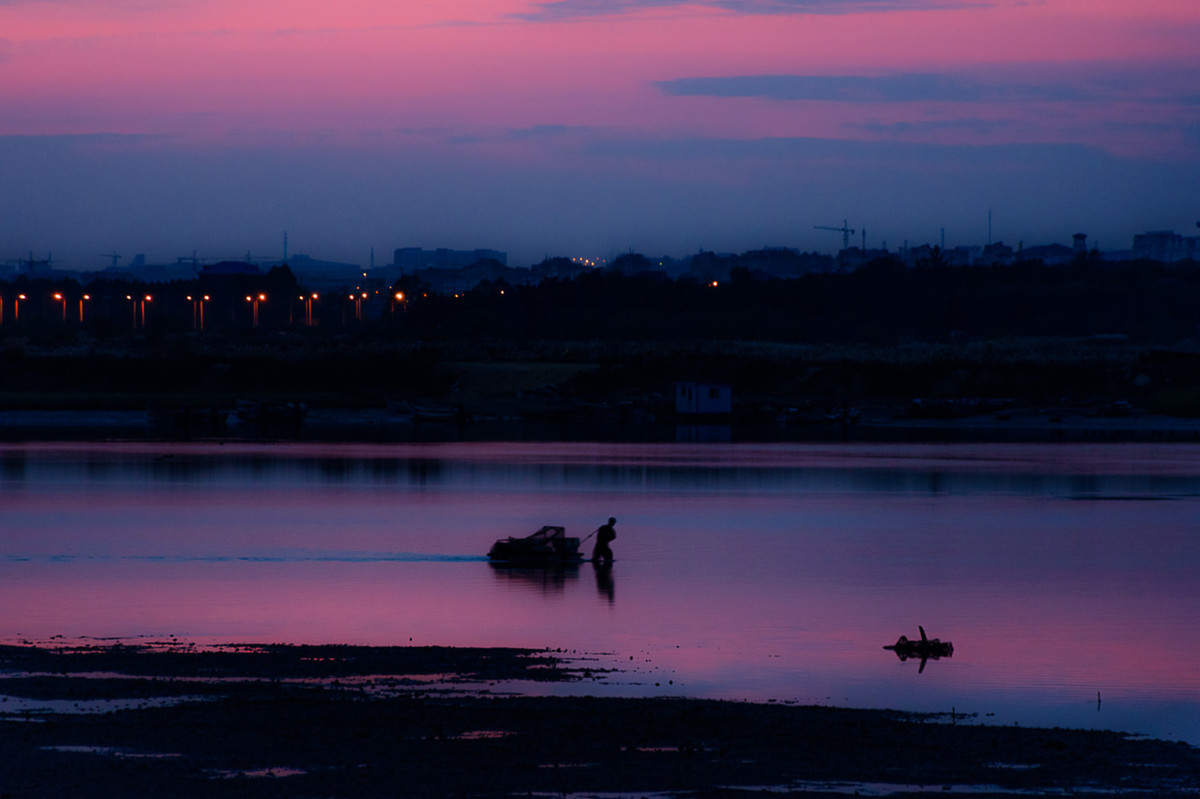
278,720
1066,389
878,424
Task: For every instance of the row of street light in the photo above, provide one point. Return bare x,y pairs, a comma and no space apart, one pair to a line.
138,306
57,296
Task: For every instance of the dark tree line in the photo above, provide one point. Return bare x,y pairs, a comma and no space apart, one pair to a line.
883,301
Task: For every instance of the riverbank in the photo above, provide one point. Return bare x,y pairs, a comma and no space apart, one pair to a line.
876,423
811,385
263,721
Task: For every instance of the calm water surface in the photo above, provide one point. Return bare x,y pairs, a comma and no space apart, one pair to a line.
1060,572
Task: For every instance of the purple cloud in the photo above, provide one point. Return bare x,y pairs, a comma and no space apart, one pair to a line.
555,10
797,149
533,133
900,88
1102,85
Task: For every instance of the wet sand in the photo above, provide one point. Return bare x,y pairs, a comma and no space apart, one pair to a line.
113,720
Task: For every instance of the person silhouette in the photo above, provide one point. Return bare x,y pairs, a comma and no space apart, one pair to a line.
602,553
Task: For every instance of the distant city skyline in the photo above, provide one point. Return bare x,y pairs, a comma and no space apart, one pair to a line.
572,127
1162,245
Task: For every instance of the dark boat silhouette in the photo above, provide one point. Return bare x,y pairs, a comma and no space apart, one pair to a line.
926,649
549,546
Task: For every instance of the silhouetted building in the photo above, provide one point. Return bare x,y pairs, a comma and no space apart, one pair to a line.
225,269
997,253
314,273
924,255
1050,254
138,269
35,268
1165,245
634,264
708,267
561,268
703,399
459,280
413,259
852,258
784,262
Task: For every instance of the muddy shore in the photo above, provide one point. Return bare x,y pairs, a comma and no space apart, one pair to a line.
333,721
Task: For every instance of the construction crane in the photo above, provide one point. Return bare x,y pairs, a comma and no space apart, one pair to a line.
116,259
845,230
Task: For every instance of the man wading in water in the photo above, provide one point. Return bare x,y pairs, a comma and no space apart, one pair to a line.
603,553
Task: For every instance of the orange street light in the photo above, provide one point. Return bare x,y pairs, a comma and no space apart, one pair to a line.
197,311
255,300
308,301
17,308
83,298
63,300
145,300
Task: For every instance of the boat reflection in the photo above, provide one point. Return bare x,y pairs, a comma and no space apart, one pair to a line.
926,649
549,580
545,579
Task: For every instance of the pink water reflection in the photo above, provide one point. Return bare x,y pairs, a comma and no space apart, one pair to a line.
744,572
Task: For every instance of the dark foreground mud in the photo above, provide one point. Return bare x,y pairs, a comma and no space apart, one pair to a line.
119,721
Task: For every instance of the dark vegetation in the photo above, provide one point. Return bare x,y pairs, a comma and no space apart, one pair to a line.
1088,331
883,302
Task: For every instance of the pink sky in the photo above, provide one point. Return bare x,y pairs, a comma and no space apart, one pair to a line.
493,94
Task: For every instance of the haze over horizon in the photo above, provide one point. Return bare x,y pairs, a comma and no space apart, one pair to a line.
584,127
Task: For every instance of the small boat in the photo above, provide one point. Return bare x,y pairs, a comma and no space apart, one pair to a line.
925,649
549,546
